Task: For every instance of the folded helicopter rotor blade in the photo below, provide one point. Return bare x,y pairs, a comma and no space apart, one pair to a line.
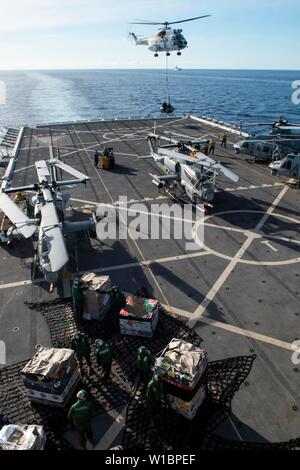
211,164
52,233
189,19
177,155
227,173
205,161
42,171
69,169
30,187
24,225
57,251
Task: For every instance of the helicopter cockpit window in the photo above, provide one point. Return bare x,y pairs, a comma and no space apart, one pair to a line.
287,164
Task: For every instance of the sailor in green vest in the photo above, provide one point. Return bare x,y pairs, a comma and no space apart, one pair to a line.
104,357
80,415
78,297
155,394
117,298
144,364
223,140
212,145
80,344
117,302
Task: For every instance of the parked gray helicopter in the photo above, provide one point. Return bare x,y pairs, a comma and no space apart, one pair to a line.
282,127
189,173
288,166
266,148
283,139
49,204
5,156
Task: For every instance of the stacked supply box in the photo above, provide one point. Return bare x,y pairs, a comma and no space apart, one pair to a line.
22,437
96,296
183,366
139,317
51,376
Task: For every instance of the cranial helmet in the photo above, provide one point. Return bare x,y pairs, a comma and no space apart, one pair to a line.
99,342
82,395
142,350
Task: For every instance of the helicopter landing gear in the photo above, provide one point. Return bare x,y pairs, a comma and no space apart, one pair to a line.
168,54
156,55
178,53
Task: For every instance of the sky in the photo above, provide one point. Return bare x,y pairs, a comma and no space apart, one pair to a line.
62,34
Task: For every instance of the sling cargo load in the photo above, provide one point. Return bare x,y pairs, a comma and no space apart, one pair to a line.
139,317
22,437
96,296
182,366
51,376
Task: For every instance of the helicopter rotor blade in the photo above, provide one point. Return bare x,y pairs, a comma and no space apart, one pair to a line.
57,252
163,152
23,224
225,172
147,23
189,19
140,21
205,161
166,23
42,171
211,164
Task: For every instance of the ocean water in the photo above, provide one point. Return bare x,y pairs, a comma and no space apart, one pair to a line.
37,97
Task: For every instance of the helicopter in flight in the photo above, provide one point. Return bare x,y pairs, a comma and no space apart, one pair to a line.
189,174
166,39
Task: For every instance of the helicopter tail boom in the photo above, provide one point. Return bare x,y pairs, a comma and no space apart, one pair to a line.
138,41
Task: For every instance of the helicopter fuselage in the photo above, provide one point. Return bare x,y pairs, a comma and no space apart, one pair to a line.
166,40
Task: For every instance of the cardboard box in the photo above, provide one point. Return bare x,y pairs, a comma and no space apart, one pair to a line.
22,437
96,296
190,408
139,317
51,376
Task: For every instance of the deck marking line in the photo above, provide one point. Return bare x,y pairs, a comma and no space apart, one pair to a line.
108,438
114,267
147,263
269,245
237,330
235,260
128,229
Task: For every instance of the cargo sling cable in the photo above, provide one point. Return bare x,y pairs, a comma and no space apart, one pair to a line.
166,107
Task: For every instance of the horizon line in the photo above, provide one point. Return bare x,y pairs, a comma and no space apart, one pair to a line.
145,68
